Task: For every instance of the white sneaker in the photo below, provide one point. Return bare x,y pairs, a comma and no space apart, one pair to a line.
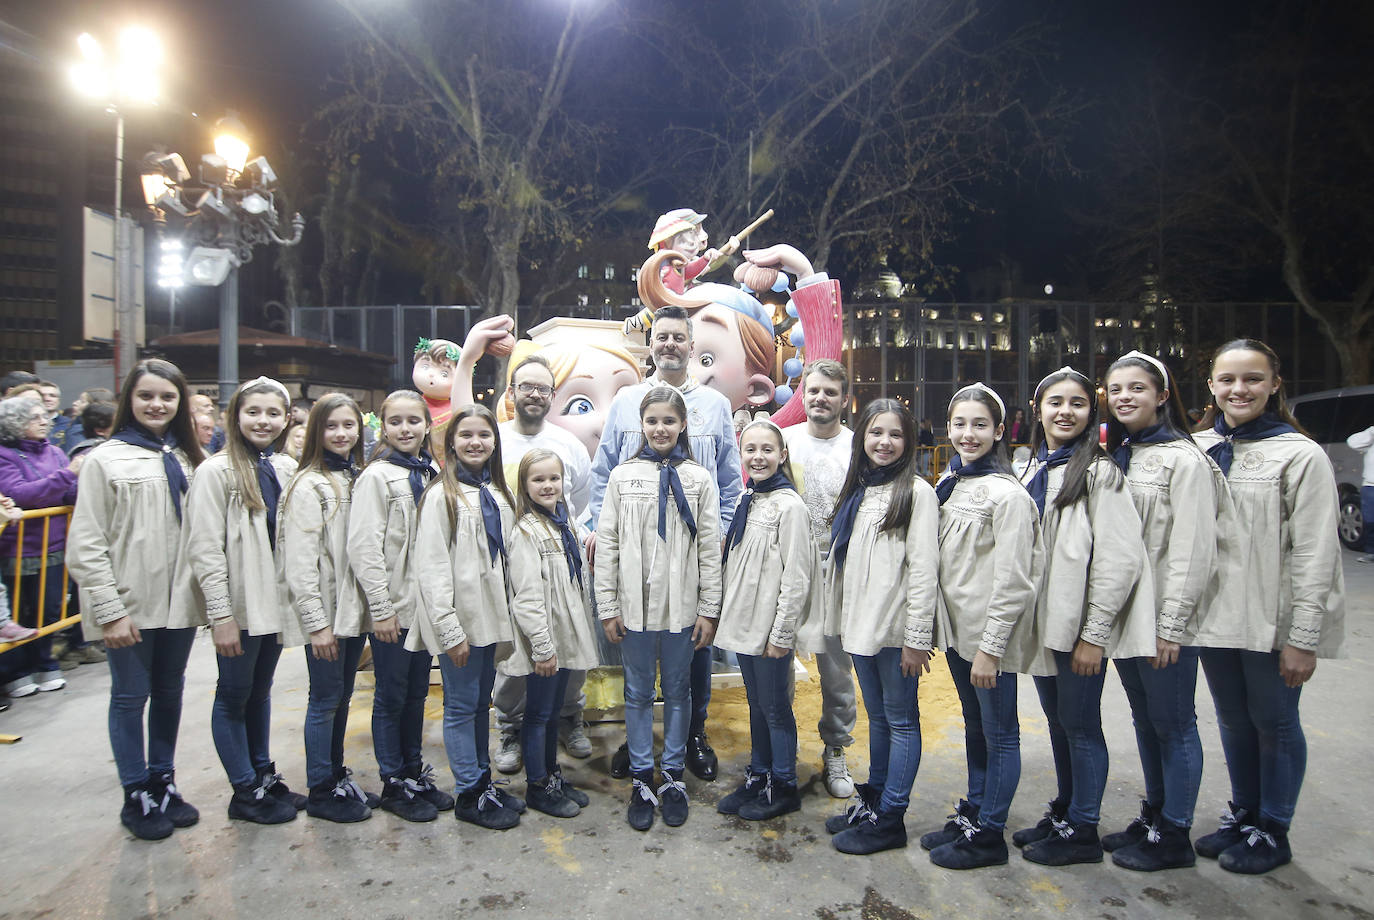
1369,558
838,782
507,758
24,686
51,680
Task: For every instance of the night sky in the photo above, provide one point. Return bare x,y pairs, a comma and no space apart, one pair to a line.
268,60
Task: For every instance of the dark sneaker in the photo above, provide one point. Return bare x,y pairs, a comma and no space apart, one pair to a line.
258,805
1264,848
701,758
425,787
975,848
672,799
746,791
774,800
142,817
164,791
571,791
401,796
860,807
1135,831
334,802
548,796
965,818
1057,814
482,806
642,802
269,778
1070,845
1228,835
1164,846
875,833
620,762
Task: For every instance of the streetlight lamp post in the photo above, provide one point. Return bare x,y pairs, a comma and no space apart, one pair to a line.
133,79
227,212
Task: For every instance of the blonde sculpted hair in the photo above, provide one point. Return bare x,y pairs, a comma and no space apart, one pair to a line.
561,358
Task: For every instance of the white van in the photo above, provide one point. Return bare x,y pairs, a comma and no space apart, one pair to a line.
1330,417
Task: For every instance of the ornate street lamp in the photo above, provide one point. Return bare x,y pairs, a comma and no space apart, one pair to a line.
226,212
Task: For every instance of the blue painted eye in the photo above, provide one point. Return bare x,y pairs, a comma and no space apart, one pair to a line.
579,405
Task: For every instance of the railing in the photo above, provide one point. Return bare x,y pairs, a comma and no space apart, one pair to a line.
938,458
16,585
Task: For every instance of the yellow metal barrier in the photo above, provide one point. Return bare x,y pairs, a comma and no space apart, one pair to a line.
44,628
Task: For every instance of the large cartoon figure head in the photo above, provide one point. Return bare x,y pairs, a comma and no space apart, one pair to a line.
732,334
681,230
586,377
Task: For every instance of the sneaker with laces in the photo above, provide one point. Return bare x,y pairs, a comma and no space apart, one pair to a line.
1263,847
964,819
746,791
547,795
572,733
777,798
508,759
642,802
141,815
481,806
423,776
838,782
271,780
350,786
1058,812
11,631
257,804
571,791
164,791
1227,835
336,803
861,806
48,681
23,686
672,799
1069,845
1365,559
401,796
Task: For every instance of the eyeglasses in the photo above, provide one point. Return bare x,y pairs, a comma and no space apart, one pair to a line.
526,389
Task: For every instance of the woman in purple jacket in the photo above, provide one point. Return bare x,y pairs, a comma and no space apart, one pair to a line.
35,474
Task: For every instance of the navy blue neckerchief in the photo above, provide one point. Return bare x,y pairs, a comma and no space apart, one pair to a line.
1040,482
735,534
1266,426
842,527
421,469
271,492
1153,434
491,515
139,436
336,464
960,470
669,481
559,516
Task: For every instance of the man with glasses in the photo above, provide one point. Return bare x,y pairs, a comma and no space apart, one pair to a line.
531,386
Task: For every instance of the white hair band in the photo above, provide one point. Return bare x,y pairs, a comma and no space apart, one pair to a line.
268,381
1002,407
1063,370
1153,361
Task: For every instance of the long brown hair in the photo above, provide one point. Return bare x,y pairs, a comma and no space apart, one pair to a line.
1170,413
899,509
447,481
243,459
663,394
1276,403
182,424
383,447
523,503
1087,447
312,453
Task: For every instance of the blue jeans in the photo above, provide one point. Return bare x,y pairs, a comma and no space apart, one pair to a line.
1073,709
992,741
539,728
242,715
1367,512
398,705
772,726
1261,733
1165,719
326,712
701,690
467,718
151,674
672,654
894,726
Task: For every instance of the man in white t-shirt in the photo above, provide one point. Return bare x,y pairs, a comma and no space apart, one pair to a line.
532,385
819,452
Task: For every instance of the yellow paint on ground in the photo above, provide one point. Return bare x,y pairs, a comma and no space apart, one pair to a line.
556,845
1045,886
769,834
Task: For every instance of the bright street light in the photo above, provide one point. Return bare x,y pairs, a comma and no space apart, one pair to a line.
231,142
